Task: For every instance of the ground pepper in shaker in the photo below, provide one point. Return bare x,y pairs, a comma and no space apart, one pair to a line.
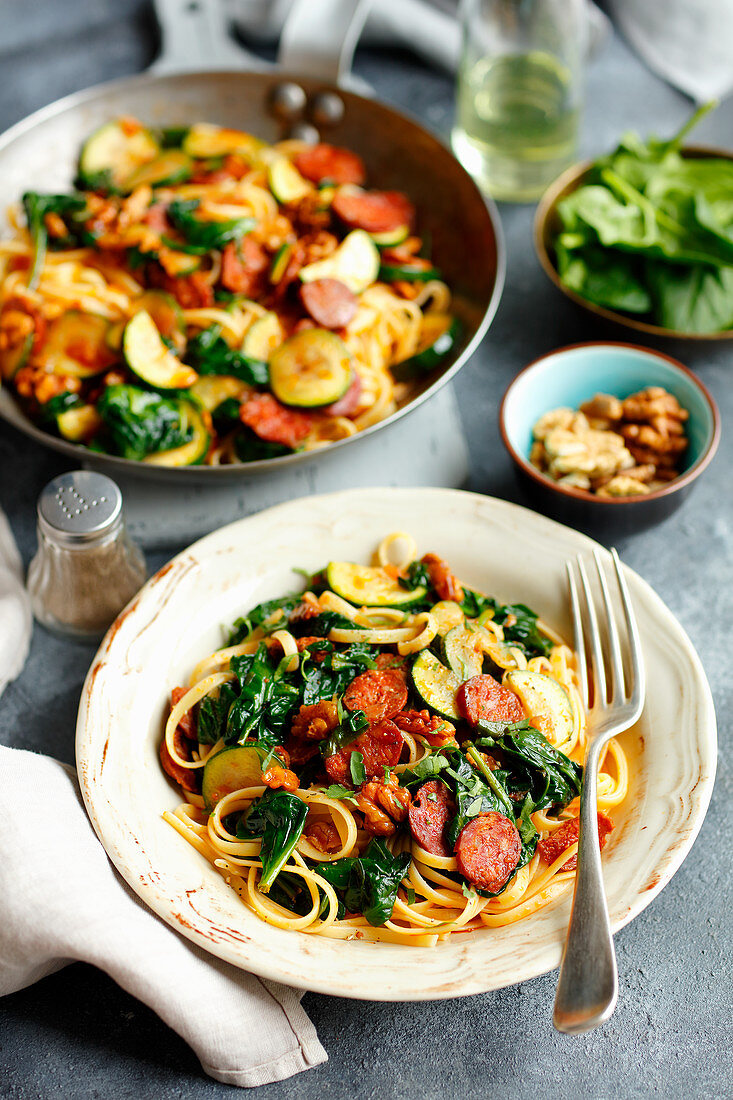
86,567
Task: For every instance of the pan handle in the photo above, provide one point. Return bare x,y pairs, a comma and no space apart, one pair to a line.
195,36
319,38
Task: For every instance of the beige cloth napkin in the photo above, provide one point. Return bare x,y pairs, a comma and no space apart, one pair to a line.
61,901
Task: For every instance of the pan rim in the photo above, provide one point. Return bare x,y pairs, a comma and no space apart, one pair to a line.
18,420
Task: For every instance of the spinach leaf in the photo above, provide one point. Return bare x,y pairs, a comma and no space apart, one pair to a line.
527,832
206,235
416,575
266,700
695,298
351,724
214,713
427,768
522,632
473,796
250,448
209,353
608,278
244,626
368,884
70,208
331,676
546,772
139,422
278,817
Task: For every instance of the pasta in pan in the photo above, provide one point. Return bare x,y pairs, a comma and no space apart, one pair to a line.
203,297
388,755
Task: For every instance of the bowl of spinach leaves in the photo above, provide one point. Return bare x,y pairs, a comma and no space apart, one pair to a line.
644,236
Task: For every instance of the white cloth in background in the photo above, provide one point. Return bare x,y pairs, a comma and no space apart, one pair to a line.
689,43
61,901
16,621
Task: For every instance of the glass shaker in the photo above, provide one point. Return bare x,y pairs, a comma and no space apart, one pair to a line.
519,93
86,567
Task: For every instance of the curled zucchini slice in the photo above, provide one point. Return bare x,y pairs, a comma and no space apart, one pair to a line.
194,451
205,141
370,586
149,358
112,154
354,263
436,685
438,338
230,770
463,653
263,337
79,423
172,166
541,695
76,344
286,182
311,368
212,389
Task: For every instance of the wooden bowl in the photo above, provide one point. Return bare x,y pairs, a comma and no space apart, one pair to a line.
547,226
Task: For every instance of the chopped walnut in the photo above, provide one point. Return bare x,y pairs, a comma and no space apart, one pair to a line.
613,447
384,805
323,835
316,721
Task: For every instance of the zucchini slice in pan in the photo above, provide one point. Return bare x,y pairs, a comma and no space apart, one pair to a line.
149,358
194,451
112,154
354,263
311,368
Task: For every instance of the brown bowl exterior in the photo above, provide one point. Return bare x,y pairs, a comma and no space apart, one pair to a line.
547,226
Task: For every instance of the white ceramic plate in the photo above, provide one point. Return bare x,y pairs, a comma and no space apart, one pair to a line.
497,547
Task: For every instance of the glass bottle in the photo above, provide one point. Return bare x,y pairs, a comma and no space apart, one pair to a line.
86,567
519,93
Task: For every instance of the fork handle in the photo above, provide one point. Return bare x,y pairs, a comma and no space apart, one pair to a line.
588,987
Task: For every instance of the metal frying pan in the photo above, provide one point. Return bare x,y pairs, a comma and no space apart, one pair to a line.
463,227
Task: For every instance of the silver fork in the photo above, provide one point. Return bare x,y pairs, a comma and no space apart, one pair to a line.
587,989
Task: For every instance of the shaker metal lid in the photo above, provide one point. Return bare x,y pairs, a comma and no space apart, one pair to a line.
79,507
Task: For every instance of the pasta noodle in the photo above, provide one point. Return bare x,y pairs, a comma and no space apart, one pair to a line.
325,757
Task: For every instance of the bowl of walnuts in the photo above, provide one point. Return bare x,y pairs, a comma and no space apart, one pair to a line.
608,436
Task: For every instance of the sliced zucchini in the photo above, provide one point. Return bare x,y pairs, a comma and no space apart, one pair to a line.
438,337
76,344
79,423
436,685
212,389
194,451
172,166
280,262
286,182
230,770
370,586
167,315
149,358
355,263
463,652
542,695
310,368
113,336
391,237
410,273
263,337
204,142
112,154
15,357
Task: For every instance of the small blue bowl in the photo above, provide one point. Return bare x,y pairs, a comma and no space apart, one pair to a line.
572,375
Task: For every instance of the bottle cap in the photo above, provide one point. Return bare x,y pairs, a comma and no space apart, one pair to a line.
80,507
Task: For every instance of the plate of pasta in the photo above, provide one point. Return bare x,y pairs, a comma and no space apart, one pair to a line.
340,744
202,298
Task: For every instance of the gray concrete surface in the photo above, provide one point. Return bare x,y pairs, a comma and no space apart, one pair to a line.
77,1035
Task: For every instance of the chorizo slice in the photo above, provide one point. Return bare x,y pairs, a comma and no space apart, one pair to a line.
556,843
374,211
185,777
349,403
483,697
430,811
244,264
330,302
445,583
273,422
378,694
487,851
187,724
380,745
330,162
